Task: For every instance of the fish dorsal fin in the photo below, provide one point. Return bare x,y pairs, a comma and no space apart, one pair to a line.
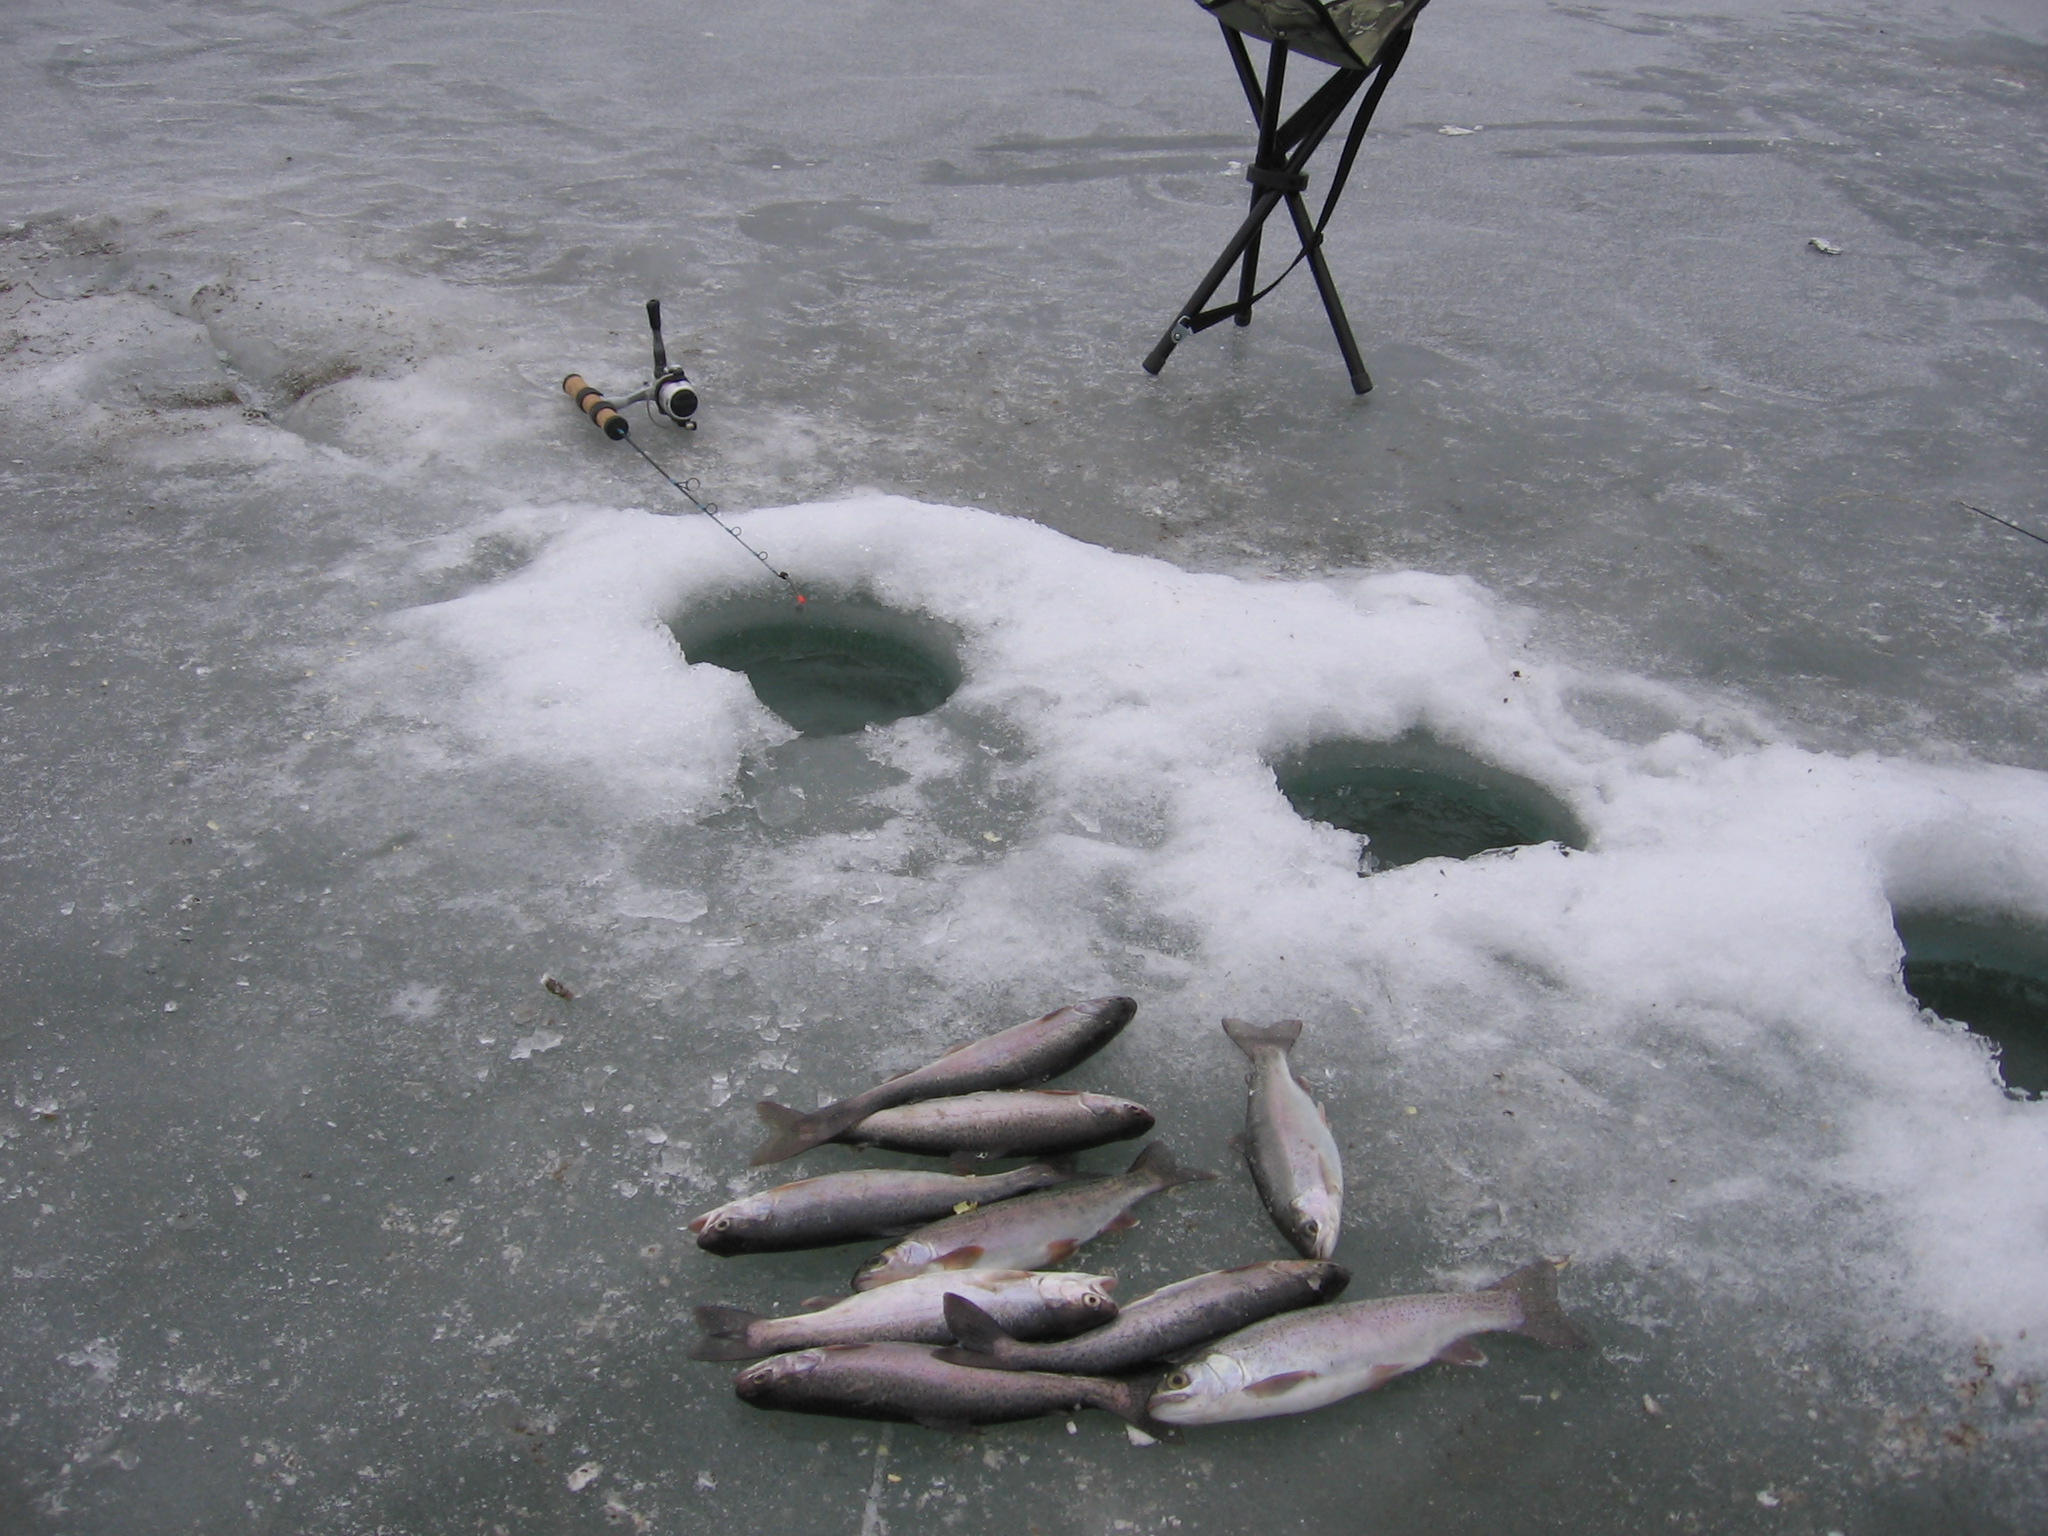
1273,1386
1461,1352
974,1330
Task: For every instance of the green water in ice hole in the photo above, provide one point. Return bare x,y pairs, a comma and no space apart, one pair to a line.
1417,798
1990,974
834,668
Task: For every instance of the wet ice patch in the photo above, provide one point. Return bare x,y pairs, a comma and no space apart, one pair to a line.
526,1047
416,1001
1687,1049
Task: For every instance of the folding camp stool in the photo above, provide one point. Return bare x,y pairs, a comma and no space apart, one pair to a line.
1362,40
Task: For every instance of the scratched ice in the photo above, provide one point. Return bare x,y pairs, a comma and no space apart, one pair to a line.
342,704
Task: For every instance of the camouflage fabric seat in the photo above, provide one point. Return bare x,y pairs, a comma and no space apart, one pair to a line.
1347,34
1363,42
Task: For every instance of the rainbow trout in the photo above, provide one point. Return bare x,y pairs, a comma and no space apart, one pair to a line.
1154,1327
1031,1231
1288,1143
1029,1123
1038,1305
909,1383
1308,1359
869,1202
1012,1058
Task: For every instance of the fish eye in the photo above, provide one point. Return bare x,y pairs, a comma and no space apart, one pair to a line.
1311,1227
720,1223
1177,1382
1092,1300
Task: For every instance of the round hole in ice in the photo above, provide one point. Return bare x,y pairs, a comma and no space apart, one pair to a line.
1419,798
1989,972
832,666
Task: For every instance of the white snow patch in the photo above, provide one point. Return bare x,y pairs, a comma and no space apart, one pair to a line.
1682,1044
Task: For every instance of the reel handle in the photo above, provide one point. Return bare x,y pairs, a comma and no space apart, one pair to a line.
654,325
592,403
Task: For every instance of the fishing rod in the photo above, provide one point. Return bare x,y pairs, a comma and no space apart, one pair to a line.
672,397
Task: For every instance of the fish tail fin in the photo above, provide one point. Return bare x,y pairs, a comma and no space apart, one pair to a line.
1250,1037
794,1132
980,1339
725,1334
1159,1163
1543,1318
1128,1399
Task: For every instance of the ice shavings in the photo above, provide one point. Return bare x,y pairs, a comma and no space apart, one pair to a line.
1685,1047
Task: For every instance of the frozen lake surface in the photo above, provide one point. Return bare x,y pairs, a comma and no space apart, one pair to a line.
343,701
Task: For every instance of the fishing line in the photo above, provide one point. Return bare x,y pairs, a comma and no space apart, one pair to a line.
2015,527
710,510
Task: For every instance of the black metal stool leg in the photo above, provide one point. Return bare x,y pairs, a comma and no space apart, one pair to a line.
1212,280
1266,103
1326,285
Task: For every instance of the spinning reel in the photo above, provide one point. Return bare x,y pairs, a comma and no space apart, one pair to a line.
670,393
672,397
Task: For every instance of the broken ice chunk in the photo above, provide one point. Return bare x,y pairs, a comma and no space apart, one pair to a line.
532,1045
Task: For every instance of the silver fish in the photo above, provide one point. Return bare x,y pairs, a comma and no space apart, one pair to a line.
1011,1058
870,1202
1003,1123
907,1382
1154,1327
1031,1231
1288,1143
1308,1359
1038,1305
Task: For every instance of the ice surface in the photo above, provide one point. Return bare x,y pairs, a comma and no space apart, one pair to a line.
341,703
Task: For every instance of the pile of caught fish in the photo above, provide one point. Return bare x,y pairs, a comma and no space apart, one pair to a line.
965,1321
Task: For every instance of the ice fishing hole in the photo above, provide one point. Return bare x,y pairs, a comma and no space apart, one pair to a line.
1418,798
832,666
1990,973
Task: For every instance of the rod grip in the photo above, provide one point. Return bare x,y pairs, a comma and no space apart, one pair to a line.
592,403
